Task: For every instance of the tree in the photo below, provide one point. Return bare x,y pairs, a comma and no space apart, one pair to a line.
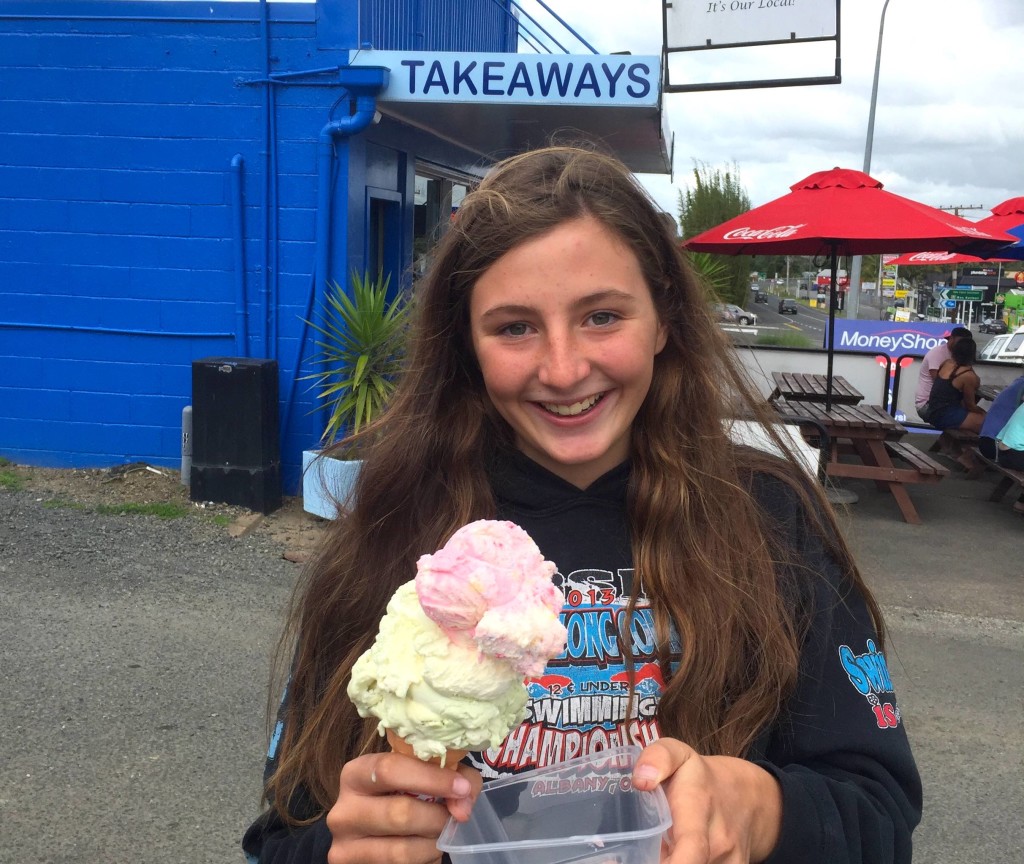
716,197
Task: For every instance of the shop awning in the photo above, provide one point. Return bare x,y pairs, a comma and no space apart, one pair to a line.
499,104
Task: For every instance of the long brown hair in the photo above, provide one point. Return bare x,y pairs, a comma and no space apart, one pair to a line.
704,552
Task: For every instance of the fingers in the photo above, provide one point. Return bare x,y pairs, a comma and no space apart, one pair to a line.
392,808
659,761
390,850
391,773
686,841
460,808
724,809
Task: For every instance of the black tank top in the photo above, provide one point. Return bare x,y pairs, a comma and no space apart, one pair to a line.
944,393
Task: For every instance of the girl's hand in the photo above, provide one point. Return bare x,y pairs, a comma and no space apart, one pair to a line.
724,810
379,817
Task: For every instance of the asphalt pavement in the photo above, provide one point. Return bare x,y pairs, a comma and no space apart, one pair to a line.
952,590
135,656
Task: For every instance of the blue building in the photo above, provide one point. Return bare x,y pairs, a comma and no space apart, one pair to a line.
181,180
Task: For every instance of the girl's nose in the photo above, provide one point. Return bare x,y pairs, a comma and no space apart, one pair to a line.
563,365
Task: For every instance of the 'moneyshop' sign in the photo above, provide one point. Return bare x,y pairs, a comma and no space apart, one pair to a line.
590,79
892,338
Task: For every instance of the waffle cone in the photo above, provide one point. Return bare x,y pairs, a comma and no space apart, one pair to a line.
452,758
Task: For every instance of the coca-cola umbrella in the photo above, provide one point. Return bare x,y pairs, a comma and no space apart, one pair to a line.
938,259
844,212
1007,217
947,259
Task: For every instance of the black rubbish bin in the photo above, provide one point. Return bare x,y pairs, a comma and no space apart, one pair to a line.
236,450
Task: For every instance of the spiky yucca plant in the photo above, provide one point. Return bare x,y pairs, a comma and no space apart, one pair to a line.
713,272
360,352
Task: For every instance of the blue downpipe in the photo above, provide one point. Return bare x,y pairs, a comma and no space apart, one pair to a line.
269,316
365,110
238,253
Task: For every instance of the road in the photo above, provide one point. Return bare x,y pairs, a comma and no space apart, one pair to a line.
812,322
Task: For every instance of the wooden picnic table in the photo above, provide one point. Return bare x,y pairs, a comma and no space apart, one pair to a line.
808,387
872,436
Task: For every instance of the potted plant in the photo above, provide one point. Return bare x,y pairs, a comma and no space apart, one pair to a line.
361,347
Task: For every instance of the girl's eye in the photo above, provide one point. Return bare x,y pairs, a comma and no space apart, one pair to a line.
603,319
517,329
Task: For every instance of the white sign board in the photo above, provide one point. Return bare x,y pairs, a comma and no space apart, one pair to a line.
716,23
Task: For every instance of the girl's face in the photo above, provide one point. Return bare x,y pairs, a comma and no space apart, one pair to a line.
565,332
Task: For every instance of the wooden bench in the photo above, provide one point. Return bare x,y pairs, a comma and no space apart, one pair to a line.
960,445
954,441
926,469
1011,477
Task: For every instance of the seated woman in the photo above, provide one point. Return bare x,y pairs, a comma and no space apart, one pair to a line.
1002,434
952,403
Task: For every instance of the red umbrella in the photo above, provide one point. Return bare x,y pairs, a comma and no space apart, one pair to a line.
936,259
849,212
843,212
1007,217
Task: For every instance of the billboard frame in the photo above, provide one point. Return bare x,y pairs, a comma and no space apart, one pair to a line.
669,87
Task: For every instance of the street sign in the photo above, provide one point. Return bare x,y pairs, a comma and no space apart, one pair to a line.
966,294
949,304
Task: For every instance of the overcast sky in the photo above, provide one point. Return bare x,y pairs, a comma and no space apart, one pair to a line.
949,118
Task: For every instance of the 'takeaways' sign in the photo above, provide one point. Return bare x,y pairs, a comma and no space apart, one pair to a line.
578,79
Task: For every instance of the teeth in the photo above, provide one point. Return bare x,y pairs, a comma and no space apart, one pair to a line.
571,410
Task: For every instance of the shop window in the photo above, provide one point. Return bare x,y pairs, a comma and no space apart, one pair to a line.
384,236
436,200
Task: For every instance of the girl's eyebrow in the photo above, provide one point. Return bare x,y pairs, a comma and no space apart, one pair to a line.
509,310
609,295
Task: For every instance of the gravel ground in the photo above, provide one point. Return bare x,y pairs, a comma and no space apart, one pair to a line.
135,661
135,654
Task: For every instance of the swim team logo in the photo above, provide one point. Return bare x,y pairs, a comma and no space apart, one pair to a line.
869,673
583,703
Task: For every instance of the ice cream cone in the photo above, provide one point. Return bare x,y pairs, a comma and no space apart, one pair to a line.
452,758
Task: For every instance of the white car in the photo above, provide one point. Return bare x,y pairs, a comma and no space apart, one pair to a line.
1005,348
741,315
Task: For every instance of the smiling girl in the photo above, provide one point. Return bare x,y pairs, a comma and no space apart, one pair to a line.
565,374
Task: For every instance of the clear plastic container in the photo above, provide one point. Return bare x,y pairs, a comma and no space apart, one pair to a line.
584,811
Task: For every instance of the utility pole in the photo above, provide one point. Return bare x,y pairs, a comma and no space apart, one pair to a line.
853,292
956,208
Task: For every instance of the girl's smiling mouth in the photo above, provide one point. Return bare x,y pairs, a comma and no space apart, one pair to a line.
573,410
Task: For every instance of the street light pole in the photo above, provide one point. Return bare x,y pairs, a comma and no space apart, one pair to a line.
853,293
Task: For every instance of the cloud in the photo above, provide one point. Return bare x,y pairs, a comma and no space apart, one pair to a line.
948,120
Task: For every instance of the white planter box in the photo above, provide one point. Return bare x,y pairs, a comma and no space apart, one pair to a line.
326,480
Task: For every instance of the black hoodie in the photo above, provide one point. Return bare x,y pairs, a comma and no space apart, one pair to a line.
850,789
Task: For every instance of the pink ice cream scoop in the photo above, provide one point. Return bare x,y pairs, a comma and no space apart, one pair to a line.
490,583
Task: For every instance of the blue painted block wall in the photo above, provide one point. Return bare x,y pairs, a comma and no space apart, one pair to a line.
123,127
117,258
